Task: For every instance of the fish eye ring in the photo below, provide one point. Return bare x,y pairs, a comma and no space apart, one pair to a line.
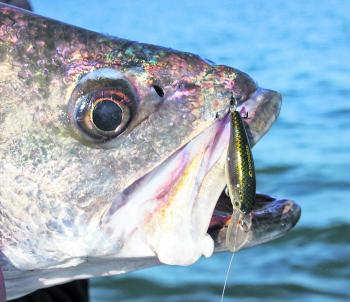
103,114
102,106
109,116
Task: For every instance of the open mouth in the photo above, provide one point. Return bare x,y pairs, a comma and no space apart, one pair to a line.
271,217
181,203
193,216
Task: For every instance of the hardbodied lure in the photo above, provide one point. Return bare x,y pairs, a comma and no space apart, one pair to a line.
239,170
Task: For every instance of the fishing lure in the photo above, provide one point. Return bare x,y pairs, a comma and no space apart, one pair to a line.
239,171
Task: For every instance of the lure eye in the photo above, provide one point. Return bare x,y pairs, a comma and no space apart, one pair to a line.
104,114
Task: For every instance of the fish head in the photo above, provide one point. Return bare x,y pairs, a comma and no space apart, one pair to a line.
110,149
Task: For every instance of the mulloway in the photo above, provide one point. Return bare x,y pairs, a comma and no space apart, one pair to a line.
112,155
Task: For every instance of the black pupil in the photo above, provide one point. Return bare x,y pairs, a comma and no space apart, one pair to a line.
107,115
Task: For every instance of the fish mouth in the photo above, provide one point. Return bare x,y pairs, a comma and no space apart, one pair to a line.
179,205
271,217
181,198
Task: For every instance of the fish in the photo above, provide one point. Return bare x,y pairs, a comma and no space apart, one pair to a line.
112,155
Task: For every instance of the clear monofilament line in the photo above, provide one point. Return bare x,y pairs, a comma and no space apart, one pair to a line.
229,265
227,273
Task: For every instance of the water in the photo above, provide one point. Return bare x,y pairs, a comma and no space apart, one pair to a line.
302,49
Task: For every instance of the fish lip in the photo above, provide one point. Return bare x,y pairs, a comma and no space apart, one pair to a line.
271,218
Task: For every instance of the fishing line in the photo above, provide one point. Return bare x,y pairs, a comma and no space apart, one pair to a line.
230,264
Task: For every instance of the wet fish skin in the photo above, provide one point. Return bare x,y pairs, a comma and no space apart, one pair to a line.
62,191
50,179
2,287
48,57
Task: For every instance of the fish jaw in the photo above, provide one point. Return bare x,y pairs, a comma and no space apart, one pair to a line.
176,200
270,219
273,220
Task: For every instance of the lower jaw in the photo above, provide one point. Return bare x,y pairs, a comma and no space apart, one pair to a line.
271,218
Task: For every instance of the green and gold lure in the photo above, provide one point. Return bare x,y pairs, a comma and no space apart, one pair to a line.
240,172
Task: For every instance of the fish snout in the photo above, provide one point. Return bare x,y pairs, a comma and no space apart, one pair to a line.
239,84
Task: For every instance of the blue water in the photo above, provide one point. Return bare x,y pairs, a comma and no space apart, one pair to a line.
301,49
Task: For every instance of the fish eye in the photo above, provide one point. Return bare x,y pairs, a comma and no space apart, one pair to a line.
102,106
103,114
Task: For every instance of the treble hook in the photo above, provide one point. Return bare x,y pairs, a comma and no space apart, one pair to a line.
234,105
245,222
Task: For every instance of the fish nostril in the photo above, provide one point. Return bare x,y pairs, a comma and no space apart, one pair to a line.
159,90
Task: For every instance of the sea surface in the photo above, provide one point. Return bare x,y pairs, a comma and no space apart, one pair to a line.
301,49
